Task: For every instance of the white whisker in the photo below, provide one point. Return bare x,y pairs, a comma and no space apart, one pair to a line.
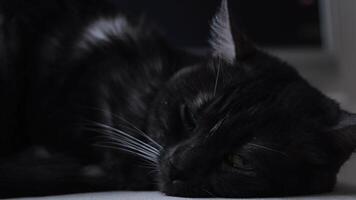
139,130
116,146
119,132
267,148
123,141
122,138
217,80
127,141
133,126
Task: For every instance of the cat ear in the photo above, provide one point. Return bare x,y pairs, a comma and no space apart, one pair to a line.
226,42
345,131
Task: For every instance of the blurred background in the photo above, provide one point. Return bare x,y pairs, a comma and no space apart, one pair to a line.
318,37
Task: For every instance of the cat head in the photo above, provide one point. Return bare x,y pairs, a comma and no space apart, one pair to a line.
245,124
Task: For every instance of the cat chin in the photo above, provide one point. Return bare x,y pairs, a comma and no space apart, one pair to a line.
179,188
184,189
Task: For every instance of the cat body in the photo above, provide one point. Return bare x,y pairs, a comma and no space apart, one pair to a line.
62,91
102,102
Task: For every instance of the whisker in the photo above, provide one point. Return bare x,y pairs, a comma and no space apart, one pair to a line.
268,149
132,125
119,132
140,131
126,142
217,80
131,151
122,138
123,141
130,143
217,126
131,148
147,158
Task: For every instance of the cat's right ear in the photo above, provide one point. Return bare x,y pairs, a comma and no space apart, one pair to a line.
226,41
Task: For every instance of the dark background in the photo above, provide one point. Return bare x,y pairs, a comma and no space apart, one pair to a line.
267,22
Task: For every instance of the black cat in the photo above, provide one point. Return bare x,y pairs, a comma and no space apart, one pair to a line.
93,101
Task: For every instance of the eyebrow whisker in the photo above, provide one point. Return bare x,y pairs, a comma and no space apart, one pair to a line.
268,149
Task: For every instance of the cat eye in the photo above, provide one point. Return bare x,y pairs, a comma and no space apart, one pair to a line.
239,162
187,117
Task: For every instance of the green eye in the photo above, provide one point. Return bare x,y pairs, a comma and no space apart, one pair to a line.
238,162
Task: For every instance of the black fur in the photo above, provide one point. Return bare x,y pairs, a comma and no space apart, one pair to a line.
62,103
